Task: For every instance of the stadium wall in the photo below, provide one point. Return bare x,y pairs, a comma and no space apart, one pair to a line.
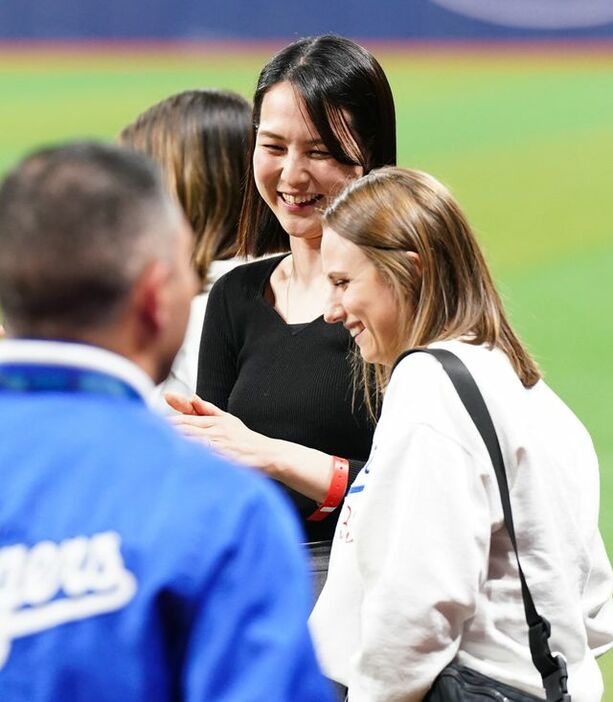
218,20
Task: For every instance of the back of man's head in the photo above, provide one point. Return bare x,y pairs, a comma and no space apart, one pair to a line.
78,225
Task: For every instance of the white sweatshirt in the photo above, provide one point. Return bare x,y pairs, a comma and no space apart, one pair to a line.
422,568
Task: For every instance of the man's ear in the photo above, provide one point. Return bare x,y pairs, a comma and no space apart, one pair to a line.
150,301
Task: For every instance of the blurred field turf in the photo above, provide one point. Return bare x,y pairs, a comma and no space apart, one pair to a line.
524,139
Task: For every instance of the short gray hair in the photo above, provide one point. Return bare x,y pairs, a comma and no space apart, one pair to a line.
78,224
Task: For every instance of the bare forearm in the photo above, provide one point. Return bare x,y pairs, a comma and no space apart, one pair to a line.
303,469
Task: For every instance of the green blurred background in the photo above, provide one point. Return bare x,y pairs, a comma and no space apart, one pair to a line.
523,138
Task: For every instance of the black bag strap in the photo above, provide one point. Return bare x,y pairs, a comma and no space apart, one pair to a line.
552,669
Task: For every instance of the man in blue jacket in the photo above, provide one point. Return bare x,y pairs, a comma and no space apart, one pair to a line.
134,565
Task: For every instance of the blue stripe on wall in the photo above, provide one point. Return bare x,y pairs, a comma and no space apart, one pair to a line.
239,19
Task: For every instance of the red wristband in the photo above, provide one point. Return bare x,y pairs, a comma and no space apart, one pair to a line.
336,490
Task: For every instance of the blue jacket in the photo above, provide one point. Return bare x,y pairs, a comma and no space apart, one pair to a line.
134,565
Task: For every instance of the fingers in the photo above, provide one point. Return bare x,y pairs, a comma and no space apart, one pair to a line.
195,433
180,403
192,430
194,405
199,422
203,408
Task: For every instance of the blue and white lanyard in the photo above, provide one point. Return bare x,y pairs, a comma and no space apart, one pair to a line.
28,378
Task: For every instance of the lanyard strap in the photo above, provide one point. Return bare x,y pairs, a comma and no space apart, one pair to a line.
552,669
29,378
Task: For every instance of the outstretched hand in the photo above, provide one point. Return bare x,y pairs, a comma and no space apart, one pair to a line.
303,469
193,405
222,431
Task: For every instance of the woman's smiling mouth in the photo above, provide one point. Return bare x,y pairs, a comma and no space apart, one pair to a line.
304,200
355,333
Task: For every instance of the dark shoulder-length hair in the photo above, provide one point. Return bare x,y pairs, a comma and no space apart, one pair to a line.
349,100
449,293
200,138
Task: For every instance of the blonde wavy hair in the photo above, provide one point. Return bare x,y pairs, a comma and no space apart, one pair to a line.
448,292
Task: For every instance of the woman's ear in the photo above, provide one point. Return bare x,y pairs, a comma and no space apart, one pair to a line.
413,256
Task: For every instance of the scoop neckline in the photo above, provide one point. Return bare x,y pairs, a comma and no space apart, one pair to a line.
293,327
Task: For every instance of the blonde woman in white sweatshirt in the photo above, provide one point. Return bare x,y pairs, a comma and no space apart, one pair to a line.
422,571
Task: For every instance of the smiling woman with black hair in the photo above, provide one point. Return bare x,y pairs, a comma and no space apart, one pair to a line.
276,378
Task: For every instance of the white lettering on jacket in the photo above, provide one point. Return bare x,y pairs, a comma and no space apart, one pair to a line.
50,584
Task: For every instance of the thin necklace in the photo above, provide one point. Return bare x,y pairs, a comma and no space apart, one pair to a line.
289,282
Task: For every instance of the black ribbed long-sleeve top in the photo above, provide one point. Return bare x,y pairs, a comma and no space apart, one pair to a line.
286,381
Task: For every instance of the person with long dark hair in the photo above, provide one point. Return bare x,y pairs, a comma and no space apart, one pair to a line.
273,377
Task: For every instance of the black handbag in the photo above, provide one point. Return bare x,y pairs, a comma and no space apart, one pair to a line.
456,683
